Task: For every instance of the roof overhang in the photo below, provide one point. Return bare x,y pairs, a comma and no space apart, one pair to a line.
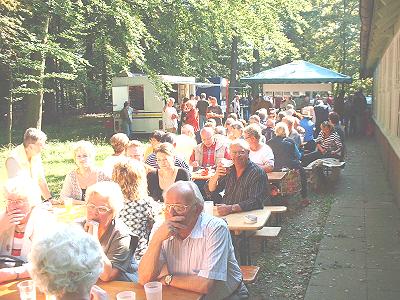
380,21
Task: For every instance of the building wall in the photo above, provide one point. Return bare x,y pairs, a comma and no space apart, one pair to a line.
386,111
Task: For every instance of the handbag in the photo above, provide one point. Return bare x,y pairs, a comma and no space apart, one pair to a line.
291,183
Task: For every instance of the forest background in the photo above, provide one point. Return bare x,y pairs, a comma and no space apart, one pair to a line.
57,57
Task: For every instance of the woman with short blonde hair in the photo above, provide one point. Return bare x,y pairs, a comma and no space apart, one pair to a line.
137,212
84,175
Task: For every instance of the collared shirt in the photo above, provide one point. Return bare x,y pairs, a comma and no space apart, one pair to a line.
263,156
250,190
208,155
207,252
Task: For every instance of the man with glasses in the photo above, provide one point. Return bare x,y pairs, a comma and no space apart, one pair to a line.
25,160
246,184
192,250
210,151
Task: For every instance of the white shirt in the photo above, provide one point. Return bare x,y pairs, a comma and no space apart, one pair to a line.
207,252
167,118
264,156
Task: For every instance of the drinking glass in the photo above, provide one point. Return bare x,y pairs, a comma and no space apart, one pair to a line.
126,295
27,290
153,290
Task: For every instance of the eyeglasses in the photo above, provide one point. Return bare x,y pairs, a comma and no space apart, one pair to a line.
100,209
178,208
238,153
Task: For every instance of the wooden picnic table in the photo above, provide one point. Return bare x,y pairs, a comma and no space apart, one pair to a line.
9,291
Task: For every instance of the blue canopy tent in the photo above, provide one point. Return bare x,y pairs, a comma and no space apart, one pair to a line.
298,71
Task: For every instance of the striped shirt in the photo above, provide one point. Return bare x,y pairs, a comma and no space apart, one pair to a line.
207,252
17,243
330,143
179,162
250,190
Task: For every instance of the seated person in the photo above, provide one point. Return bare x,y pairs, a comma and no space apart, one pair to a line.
186,142
293,134
167,138
260,153
236,131
22,221
155,140
334,120
285,156
66,263
210,151
328,145
85,174
309,127
118,142
104,202
134,150
160,179
137,213
192,250
246,184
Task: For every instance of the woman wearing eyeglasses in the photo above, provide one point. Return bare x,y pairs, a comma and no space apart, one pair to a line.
104,202
163,178
21,221
85,174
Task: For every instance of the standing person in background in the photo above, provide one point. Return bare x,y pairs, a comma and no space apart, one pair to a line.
170,116
245,104
25,160
192,115
236,106
358,109
183,112
126,118
214,111
309,127
202,106
321,115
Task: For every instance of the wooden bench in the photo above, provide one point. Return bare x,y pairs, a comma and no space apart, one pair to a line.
277,212
249,273
267,233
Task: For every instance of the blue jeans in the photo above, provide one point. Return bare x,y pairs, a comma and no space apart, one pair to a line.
202,121
126,127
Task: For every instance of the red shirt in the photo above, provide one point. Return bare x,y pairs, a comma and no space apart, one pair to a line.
192,118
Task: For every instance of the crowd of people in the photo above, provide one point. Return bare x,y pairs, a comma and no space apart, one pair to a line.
122,236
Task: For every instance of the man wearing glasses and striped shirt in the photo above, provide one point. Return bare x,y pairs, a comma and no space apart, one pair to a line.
245,183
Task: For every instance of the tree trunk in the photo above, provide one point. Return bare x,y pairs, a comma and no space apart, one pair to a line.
234,70
90,93
255,88
34,102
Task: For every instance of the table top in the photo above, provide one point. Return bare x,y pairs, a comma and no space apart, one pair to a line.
198,176
9,291
276,176
236,221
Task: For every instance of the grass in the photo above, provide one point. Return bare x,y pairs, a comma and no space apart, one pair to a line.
57,156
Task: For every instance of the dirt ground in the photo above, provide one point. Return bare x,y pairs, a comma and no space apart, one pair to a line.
287,263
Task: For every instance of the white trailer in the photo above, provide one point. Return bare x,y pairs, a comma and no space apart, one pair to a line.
140,91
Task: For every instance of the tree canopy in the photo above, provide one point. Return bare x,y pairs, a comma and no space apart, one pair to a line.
60,55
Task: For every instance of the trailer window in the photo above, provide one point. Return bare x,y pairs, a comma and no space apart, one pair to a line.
136,96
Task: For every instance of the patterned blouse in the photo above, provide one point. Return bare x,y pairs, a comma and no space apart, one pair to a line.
138,216
71,188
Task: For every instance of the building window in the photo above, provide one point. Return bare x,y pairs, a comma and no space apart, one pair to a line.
136,96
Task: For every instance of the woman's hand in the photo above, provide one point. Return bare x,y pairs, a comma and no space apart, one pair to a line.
10,218
92,227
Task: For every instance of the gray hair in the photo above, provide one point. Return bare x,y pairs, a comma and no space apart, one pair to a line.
253,130
23,187
109,190
32,135
65,260
240,142
189,190
281,129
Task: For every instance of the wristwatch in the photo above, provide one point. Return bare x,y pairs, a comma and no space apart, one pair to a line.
168,279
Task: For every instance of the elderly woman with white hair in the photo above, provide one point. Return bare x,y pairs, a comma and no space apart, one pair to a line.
104,202
21,222
84,175
66,263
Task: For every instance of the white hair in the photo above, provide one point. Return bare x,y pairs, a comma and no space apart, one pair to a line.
23,187
109,190
189,190
240,142
65,260
281,129
86,146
